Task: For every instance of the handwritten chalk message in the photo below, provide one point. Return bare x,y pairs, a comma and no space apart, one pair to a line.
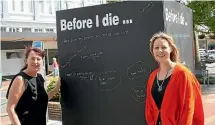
138,93
108,19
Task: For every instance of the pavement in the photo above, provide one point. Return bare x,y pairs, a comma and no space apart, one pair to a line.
208,96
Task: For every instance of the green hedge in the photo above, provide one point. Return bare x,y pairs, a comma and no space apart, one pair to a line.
50,86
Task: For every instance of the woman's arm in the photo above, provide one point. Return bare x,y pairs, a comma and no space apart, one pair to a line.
188,105
55,89
199,111
15,93
187,98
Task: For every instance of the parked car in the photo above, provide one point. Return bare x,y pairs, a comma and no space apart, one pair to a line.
211,56
203,54
211,59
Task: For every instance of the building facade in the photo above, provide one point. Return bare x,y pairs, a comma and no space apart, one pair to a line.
25,21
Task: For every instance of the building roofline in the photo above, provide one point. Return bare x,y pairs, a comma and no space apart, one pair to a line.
27,36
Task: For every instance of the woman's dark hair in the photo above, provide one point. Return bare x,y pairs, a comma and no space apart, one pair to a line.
28,50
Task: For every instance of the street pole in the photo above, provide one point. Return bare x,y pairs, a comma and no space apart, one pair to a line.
0,71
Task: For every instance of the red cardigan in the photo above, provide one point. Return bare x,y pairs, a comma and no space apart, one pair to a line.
182,102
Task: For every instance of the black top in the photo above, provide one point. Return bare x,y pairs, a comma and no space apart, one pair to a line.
31,108
158,96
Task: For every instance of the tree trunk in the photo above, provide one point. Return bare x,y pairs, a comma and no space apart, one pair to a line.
197,55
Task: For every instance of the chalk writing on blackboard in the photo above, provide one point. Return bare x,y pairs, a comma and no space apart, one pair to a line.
81,75
137,70
138,93
181,35
71,58
92,56
81,49
181,44
108,81
147,8
96,36
68,62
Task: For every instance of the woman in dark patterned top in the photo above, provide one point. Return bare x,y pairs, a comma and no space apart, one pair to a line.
27,97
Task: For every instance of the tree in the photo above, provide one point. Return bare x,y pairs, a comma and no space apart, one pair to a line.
113,1
203,15
203,21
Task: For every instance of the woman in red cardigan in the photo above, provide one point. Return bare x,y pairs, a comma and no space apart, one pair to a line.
173,93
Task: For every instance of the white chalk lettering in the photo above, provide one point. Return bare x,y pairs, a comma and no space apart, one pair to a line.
75,24
173,17
108,20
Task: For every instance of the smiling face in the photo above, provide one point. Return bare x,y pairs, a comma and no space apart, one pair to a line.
34,61
161,50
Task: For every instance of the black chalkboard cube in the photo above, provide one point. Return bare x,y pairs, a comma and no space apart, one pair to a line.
105,60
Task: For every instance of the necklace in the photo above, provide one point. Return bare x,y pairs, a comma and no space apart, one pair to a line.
160,87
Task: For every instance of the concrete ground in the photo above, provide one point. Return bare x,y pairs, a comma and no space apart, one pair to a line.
208,96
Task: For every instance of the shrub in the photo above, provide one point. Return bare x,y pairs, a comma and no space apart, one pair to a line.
212,36
50,86
201,36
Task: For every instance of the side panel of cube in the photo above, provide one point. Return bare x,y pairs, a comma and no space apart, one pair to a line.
179,23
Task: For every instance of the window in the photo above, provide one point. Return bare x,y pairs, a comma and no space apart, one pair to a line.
49,30
26,29
22,6
38,30
13,55
69,4
41,6
64,4
101,1
82,3
50,9
30,6
57,5
13,29
49,6
13,5
3,29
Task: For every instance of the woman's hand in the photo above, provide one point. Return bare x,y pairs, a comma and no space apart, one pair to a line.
58,84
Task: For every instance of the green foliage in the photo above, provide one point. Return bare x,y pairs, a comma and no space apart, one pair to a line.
203,15
212,36
50,86
113,1
202,36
